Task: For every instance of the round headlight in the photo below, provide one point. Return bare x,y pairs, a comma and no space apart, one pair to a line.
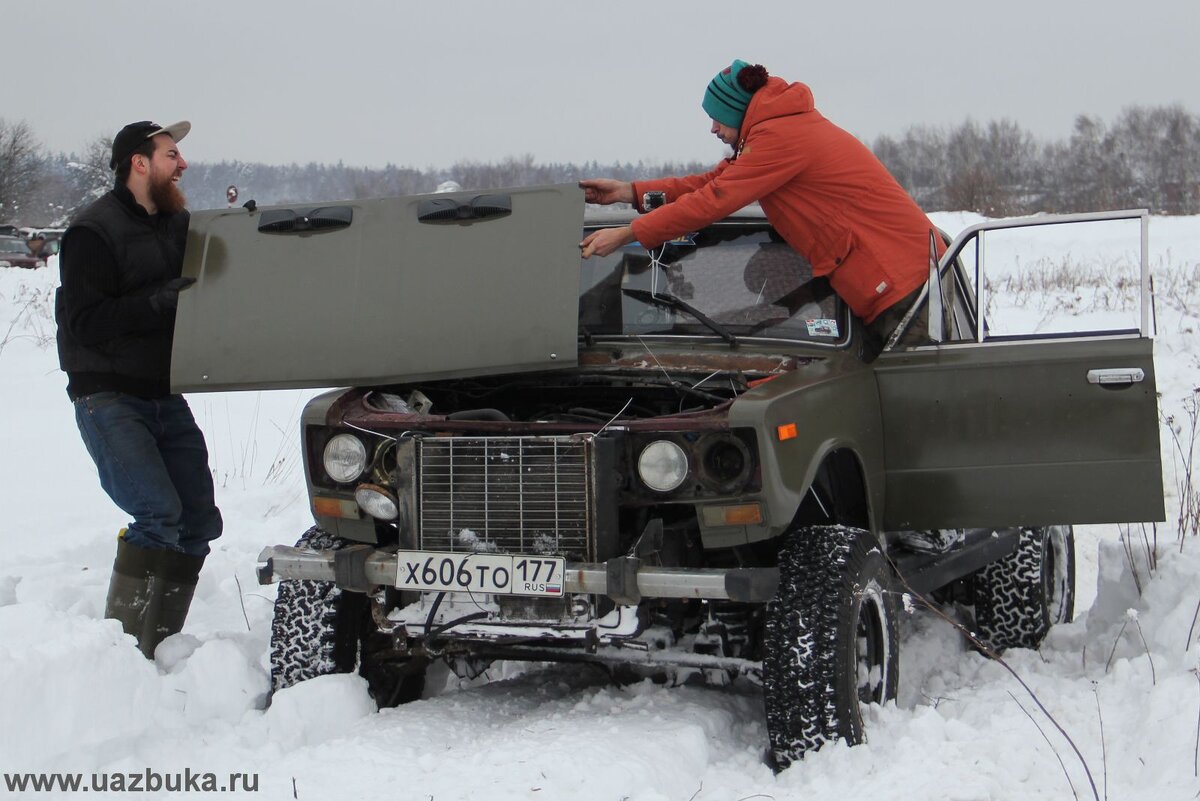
725,462
663,465
377,502
345,458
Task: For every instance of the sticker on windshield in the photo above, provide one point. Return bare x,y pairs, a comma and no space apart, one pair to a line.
822,328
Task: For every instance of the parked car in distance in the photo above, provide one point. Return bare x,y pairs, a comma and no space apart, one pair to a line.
15,253
44,242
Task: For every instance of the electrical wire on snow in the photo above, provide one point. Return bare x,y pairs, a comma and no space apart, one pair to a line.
1103,747
1042,732
991,654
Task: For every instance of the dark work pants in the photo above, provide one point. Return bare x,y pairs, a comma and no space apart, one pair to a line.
153,463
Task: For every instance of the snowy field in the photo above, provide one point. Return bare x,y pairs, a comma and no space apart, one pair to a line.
77,697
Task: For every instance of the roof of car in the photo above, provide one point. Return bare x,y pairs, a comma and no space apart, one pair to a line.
44,233
609,215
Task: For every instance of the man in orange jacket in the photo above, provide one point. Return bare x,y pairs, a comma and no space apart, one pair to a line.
823,191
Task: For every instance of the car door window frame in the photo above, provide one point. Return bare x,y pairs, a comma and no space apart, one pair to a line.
975,235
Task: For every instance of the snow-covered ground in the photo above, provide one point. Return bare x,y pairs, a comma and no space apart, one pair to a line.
77,697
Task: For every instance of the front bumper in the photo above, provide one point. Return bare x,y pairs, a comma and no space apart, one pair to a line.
624,579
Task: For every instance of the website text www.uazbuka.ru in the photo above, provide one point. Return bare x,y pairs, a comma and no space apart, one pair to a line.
147,781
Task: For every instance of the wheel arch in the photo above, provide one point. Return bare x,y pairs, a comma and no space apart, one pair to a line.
836,491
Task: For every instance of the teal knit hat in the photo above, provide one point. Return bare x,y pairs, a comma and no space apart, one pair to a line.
724,100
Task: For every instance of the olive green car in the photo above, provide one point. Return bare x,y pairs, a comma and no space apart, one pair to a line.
685,461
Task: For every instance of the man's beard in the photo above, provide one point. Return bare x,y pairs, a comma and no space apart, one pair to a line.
167,197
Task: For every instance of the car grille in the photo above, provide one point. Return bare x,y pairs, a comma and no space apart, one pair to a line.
505,494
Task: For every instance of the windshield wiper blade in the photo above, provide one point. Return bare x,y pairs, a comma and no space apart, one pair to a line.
671,302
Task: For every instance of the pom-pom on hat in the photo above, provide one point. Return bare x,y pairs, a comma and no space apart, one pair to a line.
724,99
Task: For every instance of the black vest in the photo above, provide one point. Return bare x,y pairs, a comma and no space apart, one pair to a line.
148,251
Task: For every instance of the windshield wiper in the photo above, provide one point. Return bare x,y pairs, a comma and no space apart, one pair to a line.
671,302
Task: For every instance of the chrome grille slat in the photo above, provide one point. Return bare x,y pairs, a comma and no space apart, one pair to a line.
513,494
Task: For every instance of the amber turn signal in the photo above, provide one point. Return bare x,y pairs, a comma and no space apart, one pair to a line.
742,514
335,507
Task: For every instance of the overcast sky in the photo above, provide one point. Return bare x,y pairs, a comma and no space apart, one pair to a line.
431,83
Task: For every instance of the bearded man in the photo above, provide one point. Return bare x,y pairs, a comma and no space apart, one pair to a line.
121,263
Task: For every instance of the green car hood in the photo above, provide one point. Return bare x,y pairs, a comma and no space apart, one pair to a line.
368,292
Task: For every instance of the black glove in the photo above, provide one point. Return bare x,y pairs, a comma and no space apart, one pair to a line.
166,299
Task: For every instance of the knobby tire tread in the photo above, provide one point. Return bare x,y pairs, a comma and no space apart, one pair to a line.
810,697
304,629
1011,606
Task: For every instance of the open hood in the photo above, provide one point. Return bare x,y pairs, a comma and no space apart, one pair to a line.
366,292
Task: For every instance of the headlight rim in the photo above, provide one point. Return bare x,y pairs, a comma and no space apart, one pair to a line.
705,449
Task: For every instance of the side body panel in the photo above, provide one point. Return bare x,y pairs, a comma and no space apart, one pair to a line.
1012,433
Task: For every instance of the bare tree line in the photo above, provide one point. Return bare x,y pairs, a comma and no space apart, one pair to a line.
1147,157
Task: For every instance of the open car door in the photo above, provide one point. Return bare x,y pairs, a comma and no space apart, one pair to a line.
1029,424
371,292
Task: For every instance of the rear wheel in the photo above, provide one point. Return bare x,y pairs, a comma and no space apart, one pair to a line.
318,630
830,639
1018,598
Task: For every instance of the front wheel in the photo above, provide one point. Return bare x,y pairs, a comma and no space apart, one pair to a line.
318,629
310,635
830,639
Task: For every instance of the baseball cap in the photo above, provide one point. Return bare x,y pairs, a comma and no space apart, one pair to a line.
128,138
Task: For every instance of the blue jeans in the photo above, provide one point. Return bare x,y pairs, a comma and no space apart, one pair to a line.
153,463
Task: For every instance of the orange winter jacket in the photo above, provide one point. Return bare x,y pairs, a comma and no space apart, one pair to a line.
822,190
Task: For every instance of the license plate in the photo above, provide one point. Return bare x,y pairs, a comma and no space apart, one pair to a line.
498,574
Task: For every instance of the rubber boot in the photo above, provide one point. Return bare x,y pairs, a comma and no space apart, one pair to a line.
129,589
171,588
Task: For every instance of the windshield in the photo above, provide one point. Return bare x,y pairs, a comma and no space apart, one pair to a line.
742,276
14,246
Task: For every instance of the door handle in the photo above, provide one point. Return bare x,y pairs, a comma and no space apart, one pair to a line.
1116,375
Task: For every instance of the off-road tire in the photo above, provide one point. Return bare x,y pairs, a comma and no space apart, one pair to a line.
305,641
1018,598
319,630
830,639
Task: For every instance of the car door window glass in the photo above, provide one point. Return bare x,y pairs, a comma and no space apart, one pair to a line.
1061,279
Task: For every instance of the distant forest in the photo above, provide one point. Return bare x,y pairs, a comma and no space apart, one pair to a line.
1147,157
